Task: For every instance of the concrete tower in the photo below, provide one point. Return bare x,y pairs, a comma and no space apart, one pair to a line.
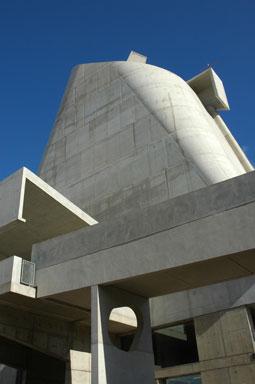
129,135
155,283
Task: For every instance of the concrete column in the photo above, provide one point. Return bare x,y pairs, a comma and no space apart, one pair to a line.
226,346
78,369
111,365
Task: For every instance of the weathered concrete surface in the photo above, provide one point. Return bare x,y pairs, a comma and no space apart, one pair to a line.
78,370
210,89
220,240
128,139
180,306
111,365
32,211
126,228
49,335
129,135
226,335
225,345
64,340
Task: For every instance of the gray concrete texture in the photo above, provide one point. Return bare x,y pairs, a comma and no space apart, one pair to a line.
136,225
10,276
129,135
218,229
66,341
32,211
110,364
225,345
188,304
146,154
52,336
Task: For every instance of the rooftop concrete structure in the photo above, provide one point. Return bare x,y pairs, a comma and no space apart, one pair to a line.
144,201
129,135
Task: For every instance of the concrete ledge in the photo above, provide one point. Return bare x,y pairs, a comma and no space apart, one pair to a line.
32,211
203,366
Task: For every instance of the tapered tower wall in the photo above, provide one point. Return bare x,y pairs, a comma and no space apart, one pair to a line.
129,135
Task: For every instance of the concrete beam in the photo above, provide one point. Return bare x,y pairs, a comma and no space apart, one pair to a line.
198,251
181,306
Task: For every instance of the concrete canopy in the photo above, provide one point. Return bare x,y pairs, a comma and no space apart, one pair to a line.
32,211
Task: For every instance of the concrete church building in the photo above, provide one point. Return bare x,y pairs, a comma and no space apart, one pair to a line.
130,258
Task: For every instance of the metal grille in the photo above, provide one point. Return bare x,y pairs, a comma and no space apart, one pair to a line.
27,276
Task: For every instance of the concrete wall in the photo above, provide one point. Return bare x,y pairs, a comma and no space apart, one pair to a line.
226,345
69,342
78,369
130,135
180,306
225,342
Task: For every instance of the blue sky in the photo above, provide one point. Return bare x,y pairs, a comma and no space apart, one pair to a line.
40,41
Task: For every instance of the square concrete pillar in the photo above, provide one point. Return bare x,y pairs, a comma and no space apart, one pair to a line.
111,365
78,369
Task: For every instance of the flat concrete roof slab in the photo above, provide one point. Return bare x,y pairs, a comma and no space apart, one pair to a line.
33,211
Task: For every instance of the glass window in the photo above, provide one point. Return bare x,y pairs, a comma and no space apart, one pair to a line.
191,379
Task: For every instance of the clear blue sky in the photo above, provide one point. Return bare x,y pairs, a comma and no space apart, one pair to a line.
40,41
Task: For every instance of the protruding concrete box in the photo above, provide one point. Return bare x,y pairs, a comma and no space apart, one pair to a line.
10,278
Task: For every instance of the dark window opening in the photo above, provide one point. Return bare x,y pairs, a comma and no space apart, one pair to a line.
20,364
126,342
175,345
252,320
191,379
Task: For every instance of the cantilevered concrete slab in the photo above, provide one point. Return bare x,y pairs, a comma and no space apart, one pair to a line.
146,253
210,89
32,211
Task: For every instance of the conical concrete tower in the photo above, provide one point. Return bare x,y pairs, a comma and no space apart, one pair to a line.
129,134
